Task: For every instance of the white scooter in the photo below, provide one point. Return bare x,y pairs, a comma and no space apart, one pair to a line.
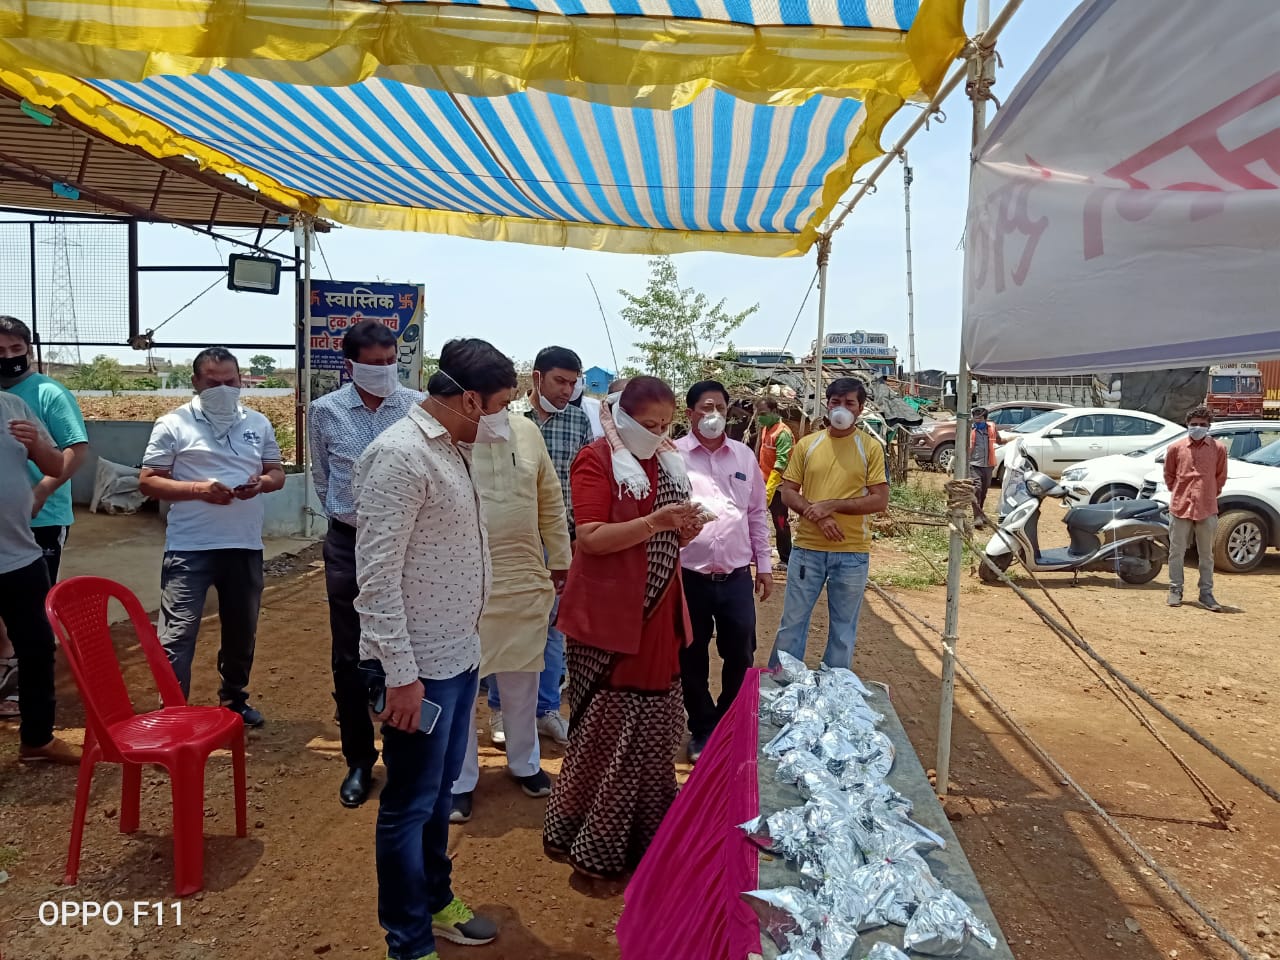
1129,538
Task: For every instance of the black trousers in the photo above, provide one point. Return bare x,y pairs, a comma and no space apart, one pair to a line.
982,479
350,689
22,594
727,608
782,526
52,540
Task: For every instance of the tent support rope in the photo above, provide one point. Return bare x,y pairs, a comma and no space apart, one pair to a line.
1154,865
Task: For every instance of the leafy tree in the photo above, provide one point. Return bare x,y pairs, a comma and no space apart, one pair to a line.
143,383
102,373
272,381
261,365
679,325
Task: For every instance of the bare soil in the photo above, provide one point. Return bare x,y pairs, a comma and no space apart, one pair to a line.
302,884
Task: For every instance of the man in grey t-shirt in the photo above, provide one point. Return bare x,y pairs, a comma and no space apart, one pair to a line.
24,579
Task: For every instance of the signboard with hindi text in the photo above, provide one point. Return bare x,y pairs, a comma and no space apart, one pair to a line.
338,305
1125,202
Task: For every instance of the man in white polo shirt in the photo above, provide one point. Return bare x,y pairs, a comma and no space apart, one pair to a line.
213,458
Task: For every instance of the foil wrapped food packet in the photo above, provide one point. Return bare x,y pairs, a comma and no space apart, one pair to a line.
782,706
795,763
837,938
792,670
886,951
799,953
792,916
841,677
800,734
783,833
943,925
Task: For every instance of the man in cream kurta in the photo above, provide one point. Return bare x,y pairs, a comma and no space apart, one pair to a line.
524,514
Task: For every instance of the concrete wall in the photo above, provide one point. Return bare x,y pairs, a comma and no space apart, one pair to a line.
125,442
120,441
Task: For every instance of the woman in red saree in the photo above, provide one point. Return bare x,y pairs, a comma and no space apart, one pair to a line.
624,617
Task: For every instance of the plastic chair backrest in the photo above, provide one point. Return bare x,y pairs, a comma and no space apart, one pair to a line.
77,611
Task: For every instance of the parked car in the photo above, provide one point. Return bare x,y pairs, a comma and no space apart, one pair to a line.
1060,439
1120,476
1248,509
933,443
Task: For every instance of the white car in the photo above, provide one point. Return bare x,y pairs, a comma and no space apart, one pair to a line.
1119,476
1059,439
1248,509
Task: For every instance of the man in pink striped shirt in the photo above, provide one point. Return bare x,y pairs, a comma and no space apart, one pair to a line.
718,585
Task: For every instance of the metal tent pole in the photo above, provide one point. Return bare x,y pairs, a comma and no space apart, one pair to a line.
911,297
824,255
981,72
300,448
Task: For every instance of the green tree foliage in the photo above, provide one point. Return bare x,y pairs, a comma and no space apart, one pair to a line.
679,326
261,365
102,373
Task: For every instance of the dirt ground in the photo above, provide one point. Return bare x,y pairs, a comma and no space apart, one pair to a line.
302,884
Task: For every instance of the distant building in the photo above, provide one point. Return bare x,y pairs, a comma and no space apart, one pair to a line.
598,380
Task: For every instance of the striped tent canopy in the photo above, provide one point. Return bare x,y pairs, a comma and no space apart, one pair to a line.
628,125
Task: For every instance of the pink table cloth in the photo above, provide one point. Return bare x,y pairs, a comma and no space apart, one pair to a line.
685,900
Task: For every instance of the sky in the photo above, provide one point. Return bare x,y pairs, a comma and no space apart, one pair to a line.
522,298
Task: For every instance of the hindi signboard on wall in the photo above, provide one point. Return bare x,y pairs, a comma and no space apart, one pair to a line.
338,305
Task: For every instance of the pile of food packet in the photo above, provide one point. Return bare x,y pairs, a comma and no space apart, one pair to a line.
859,853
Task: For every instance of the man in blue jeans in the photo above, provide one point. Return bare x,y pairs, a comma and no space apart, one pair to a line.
836,480
423,573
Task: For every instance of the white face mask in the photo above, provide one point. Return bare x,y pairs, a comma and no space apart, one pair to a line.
612,399
635,437
1198,433
577,389
378,379
712,425
841,418
221,407
494,427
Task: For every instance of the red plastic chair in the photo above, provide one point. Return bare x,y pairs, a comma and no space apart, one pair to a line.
176,737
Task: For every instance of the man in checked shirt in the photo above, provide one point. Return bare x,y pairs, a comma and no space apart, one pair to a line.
341,425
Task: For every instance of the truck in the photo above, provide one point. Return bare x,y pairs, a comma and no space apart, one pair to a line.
1270,371
1235,391
1077,391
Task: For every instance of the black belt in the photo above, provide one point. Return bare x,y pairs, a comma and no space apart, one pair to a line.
721,577
341,527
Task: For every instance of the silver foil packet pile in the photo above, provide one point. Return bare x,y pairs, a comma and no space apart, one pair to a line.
943,925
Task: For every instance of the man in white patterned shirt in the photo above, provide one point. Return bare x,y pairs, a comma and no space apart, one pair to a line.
340,426
423,573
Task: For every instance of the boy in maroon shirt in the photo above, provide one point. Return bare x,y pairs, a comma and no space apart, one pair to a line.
1195,469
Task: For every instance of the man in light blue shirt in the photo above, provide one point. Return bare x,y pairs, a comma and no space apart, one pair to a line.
340,427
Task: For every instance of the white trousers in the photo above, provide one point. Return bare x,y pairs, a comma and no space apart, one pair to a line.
519,693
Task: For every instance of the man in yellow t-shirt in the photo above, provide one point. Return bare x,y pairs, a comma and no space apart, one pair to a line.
836,480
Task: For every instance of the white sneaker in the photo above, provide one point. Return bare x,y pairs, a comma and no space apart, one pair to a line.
554,727
497,733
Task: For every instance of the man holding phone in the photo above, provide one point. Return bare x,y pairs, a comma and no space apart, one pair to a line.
212,459
423,572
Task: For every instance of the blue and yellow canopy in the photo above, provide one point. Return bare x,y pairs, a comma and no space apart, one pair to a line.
628,125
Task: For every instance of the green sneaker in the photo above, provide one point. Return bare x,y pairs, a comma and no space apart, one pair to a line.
457,924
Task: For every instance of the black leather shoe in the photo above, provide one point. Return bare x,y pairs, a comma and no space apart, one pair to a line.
355,789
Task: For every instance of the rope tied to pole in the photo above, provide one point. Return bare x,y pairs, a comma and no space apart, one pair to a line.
961,494
981,75
1167,878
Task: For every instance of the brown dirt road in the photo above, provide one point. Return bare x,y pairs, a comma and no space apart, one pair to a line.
302,884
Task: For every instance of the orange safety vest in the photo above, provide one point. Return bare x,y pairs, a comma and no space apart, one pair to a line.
991,444
769,447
